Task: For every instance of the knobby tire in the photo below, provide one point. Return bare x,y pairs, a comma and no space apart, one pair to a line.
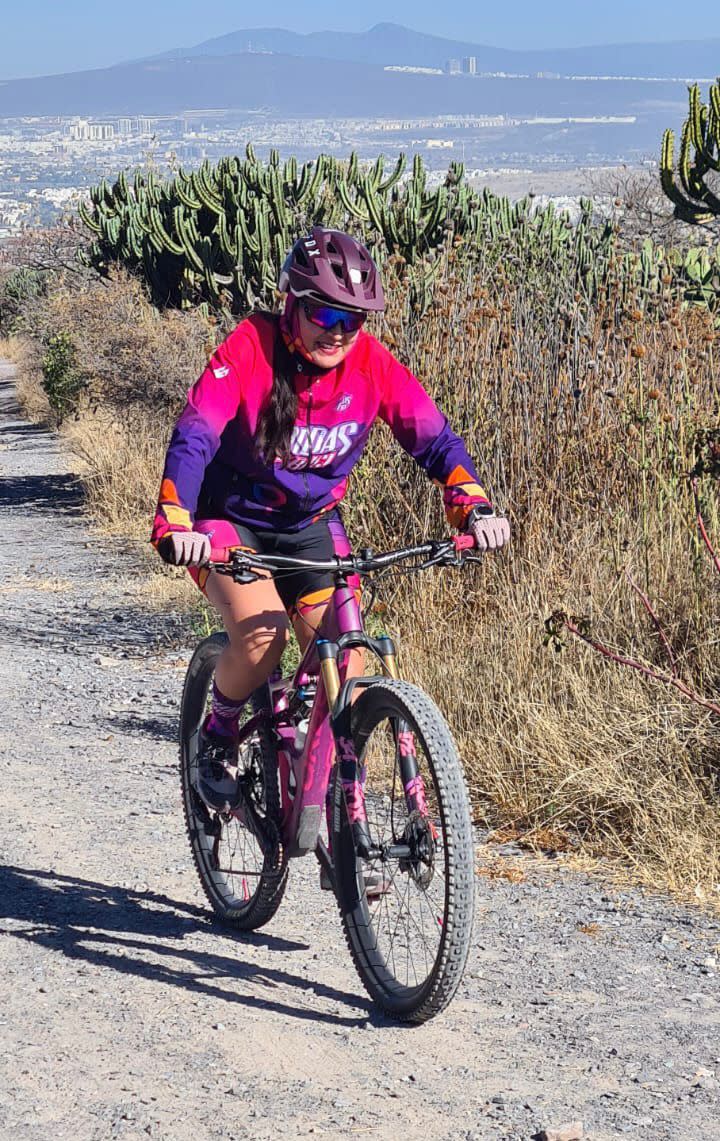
210,833
450,880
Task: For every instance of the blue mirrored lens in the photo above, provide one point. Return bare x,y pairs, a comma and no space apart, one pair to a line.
326,317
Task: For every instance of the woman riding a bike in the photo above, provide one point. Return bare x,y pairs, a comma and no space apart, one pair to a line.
260,459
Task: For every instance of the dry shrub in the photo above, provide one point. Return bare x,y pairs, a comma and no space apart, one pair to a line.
583,416
588,444
25,354
139,364
133,356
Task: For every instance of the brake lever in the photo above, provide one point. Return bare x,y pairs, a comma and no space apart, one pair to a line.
242,574
454,555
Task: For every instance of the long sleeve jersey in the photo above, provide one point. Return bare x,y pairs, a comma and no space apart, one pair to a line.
213,469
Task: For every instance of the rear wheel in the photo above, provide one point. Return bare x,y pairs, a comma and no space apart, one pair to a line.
407,910
239,857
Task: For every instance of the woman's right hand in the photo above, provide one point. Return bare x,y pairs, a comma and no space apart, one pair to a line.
185,549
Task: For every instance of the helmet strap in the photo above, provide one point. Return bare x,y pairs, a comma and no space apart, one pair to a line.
290,328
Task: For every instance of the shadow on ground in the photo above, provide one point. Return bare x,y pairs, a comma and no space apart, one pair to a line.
42,493
99,924
132,630
156,728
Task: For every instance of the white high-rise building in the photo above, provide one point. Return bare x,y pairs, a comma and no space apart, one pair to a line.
80,130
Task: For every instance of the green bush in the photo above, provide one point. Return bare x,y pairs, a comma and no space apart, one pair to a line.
20,286
63,380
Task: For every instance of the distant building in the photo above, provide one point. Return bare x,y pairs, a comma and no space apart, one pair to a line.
453,67
81,131
412,69
469,65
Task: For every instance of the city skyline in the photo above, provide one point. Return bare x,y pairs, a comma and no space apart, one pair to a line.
80,35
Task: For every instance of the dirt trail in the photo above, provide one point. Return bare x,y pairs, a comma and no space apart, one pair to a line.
127,1012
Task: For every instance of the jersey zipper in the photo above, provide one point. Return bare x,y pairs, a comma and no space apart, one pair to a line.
308,498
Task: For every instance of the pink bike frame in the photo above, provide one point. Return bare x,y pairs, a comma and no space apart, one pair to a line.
308,771
302,813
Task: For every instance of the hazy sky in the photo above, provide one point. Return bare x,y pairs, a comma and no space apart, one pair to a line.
39,37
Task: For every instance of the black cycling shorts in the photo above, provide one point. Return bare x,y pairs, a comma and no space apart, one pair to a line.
299,589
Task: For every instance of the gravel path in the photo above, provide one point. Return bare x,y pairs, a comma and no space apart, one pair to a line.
129,1013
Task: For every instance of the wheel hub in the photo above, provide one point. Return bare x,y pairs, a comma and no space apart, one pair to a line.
419,836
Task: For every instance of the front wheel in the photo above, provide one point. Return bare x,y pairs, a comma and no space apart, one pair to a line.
239,857
407,909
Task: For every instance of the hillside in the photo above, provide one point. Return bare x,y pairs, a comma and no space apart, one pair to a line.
389,43
287,85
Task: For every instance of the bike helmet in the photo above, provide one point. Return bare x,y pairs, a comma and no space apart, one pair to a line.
333,268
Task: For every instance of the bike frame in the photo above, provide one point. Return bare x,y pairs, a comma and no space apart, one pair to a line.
328,735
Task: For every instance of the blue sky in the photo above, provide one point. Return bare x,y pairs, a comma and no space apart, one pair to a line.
38,37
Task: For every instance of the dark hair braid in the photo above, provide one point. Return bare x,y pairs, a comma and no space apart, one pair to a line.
277,419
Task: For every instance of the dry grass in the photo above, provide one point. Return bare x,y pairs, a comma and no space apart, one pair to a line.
120,462
584,418
23,352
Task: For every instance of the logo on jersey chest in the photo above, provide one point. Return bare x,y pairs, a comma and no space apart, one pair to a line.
316,446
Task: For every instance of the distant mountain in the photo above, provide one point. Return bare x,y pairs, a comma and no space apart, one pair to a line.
387,44
289,85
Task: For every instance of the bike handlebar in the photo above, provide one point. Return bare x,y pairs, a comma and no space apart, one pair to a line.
226,560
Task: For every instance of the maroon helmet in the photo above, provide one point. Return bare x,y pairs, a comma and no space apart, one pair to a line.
333,268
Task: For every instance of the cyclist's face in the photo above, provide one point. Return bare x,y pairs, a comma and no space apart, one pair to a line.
325,347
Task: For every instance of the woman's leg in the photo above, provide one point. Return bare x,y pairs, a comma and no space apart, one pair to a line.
257,628
307,595
306,621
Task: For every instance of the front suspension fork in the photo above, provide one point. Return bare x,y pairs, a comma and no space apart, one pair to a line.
352,776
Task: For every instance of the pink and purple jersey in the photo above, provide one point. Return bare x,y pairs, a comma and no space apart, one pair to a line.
213,469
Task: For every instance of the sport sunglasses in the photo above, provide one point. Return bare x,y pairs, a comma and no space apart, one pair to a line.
325,317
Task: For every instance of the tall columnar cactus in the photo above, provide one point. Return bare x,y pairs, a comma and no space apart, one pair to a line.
695,201
218,235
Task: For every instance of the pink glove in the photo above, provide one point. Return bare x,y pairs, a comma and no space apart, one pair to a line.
185,549
490,532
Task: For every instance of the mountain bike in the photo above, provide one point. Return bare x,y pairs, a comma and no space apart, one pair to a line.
374,758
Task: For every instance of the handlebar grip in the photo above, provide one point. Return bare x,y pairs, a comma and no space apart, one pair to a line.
220,554
463,542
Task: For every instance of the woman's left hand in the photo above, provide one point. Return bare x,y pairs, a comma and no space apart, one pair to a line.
490,532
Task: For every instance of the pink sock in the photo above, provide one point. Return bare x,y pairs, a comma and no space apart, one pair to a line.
223,719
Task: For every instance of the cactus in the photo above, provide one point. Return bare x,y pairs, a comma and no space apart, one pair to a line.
695,202
219,234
